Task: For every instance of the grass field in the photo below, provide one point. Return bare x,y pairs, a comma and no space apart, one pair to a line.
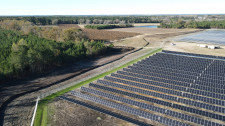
41,116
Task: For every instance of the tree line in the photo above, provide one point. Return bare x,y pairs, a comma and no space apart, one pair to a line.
108,26
194,24
54,20
24,54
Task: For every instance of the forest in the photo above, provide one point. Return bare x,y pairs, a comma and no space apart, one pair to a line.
194,24
108,26
24,53
54,20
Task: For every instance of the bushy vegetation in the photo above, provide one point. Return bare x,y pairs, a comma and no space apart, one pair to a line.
53,33
26,54
195,24
108,26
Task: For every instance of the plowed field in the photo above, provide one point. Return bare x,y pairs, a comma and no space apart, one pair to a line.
107,35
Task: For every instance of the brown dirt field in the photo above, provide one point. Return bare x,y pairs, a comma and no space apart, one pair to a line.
136,42
65,26
63,113
151,31
107,35
155,37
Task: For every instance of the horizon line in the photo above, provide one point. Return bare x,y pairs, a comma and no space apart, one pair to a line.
116,15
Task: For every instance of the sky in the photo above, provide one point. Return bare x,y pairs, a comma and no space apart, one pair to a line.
110,7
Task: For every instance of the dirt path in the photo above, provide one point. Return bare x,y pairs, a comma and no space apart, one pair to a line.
155,37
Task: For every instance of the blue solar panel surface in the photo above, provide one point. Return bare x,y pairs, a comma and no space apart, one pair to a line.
171,88
208,36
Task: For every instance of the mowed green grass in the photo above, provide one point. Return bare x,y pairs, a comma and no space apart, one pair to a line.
42,110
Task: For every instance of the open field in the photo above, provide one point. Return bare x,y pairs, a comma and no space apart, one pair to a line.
151,31
107,35
146,24
65,26
155,37
95,34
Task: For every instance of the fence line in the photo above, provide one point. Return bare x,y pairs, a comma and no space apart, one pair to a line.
35,110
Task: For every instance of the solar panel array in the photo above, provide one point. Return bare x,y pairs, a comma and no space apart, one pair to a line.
193,54
96,108
208,36
171,88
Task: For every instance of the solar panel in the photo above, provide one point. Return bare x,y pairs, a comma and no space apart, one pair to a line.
140,104
123,107
190,83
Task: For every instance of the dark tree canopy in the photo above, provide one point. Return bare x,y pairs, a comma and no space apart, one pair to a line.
24,54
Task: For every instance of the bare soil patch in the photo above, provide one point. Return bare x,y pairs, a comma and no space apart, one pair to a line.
66,26
107,35
194,48
151,31
155,37
63,113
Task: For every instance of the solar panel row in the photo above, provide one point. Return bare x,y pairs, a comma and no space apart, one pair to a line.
128,109
149,71
158,88
165,83
180,81
185,88
194,54
161,102
215,86
163,96
188,64
150,107
105,111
